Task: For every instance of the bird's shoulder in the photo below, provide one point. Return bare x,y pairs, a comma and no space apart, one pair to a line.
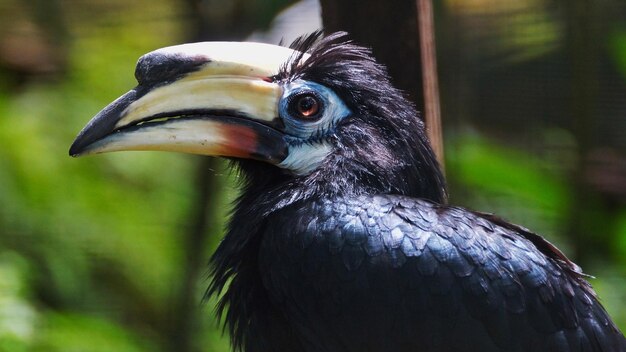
499,273
408,227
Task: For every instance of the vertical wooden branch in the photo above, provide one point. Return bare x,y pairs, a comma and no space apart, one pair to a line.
430,83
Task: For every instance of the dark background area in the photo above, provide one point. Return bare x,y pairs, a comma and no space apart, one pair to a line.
109,253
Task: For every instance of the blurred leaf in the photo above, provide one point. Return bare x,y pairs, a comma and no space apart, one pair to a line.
496,169
69,332
18,318
618,46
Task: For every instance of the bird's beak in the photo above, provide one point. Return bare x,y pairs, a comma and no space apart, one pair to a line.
213,98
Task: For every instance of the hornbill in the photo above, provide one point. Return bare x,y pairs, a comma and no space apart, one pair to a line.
341,239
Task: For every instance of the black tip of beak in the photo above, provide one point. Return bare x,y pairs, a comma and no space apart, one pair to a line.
75,150
102,124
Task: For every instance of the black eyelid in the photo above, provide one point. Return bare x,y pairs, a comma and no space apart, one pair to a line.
302,92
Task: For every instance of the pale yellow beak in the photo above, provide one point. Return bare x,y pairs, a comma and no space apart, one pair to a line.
212,98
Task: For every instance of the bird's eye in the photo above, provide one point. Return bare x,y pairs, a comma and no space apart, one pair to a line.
306,106
309,109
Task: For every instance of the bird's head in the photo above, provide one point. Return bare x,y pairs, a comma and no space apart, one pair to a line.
320,115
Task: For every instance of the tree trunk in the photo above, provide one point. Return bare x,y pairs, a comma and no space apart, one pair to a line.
390,29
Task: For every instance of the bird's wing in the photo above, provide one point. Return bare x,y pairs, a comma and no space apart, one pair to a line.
456,280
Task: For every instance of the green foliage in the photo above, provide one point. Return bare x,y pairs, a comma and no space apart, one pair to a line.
90,249
18,318
70,332
618,46
493,168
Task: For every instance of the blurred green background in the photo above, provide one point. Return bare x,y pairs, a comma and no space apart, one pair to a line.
108,253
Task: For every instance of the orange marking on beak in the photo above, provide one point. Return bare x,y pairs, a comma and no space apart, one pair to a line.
242,141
